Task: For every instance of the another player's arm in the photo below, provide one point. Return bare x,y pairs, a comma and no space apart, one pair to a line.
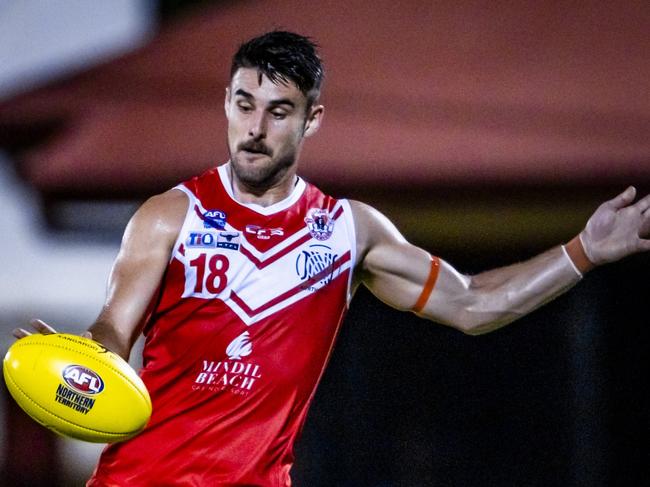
396,271
136,274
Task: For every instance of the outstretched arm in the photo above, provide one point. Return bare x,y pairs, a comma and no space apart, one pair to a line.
136,274
397,272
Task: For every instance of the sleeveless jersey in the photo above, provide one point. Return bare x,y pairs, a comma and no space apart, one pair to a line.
238,338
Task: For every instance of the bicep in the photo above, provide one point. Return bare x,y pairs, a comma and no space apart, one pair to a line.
397,274
136,274
397,271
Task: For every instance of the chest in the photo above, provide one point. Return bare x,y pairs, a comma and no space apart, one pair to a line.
259,263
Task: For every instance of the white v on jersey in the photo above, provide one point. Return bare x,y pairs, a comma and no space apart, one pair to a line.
257,270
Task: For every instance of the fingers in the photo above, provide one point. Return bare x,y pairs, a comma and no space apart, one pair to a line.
623,199
644,230
643,204
38,325
644,245
42,327
20,333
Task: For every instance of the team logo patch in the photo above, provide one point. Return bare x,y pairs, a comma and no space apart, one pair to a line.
319,223
264,233
214,219
316,259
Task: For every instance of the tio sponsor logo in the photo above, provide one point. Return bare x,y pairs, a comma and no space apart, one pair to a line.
83,380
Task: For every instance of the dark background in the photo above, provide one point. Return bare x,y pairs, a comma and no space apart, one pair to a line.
559,398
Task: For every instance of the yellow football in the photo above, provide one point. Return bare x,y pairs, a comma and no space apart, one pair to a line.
76,387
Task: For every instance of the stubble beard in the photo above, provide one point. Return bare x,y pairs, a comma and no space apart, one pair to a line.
261,177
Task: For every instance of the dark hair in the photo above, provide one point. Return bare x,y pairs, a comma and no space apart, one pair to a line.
283,56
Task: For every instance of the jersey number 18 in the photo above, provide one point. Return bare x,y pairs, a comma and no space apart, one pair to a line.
215,280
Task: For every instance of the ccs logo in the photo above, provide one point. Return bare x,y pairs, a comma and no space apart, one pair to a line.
264,233
83,380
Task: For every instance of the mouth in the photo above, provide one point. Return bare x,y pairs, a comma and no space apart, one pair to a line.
254,149
252,154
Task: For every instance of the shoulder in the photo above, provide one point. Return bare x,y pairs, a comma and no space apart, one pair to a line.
370,222
372,227
161,216
365,213
168,207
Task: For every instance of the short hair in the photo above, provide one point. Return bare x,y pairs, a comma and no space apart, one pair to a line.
283,56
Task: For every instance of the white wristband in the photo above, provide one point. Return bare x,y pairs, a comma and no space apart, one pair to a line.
566,254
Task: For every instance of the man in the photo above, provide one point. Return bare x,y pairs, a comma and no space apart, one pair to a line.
240,277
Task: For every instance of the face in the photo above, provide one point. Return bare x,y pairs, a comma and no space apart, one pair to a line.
267,124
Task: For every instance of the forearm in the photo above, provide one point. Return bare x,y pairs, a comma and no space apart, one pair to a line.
495,298
396,271
112,337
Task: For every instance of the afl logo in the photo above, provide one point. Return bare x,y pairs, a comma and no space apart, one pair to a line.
83,380
214,219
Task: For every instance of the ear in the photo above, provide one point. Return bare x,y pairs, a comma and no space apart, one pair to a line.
313,120
226,100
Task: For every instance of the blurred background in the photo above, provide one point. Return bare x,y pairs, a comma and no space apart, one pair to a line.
487,131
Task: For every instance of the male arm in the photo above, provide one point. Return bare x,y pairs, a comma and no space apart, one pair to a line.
136,273
402,274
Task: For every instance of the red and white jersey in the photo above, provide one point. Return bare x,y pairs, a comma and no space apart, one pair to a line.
244,323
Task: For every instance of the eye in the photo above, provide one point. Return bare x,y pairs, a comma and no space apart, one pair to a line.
279,115
244,107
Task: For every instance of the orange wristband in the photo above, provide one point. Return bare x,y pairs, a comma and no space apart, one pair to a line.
429,285
577,254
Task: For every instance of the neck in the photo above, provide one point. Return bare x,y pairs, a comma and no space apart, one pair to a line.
262,196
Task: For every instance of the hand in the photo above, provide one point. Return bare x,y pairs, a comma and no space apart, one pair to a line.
42,328
617,228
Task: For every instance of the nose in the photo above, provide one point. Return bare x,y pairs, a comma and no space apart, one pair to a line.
257,127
